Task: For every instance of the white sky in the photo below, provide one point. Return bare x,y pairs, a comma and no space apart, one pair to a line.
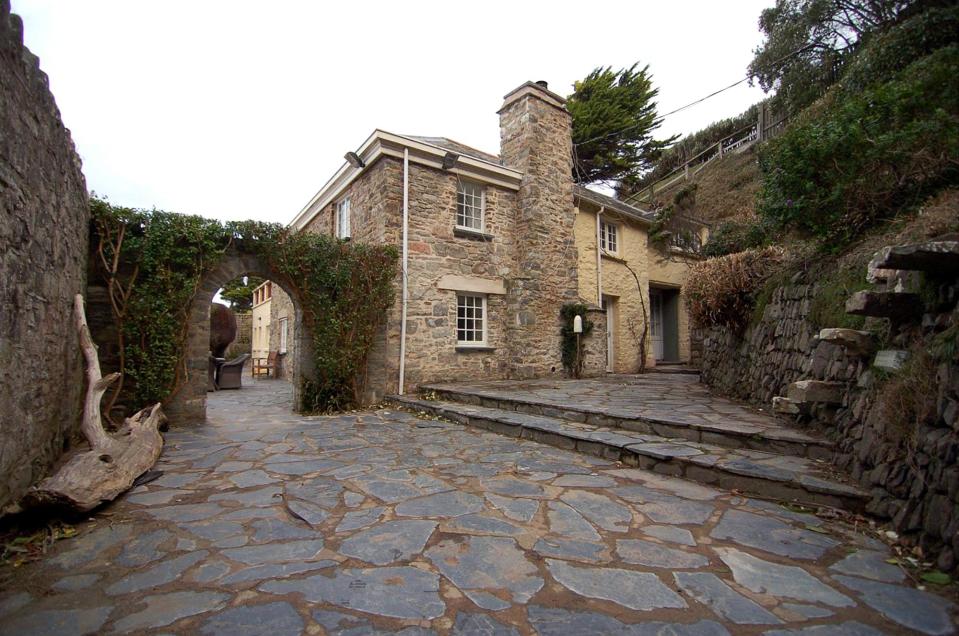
243,109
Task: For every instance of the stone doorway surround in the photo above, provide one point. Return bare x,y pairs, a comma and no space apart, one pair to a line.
188,403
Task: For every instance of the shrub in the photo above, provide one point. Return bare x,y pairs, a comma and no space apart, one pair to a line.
867,155
573,357
731,237
721,292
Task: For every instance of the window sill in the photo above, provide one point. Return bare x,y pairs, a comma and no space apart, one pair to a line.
475,235
474,348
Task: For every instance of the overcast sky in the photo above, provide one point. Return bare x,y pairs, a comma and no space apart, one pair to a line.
244,109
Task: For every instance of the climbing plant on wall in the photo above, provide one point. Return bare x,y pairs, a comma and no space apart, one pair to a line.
153,263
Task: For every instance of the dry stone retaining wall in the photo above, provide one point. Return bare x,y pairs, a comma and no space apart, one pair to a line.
43,253
914,480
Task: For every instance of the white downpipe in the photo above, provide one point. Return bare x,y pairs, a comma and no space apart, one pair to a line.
406,257
599,261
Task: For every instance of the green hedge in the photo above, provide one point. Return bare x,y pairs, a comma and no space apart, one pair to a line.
867,155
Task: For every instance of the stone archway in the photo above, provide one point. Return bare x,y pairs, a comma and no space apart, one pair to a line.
188,404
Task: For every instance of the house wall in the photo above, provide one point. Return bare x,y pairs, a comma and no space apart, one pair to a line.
617,281
281,308
261,328
44,234
670,270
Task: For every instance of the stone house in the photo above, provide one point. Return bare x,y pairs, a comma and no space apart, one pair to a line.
272,320
494,246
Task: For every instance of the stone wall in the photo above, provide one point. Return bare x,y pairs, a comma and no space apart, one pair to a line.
44,229
912,476
243,343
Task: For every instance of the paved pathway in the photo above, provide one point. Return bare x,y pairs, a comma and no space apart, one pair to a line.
270,523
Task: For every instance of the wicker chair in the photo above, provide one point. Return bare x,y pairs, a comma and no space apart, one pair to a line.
230,373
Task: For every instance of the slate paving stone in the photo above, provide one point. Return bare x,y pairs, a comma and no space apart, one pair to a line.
672,534
302,550
143,548
89,546
710,590
635,590
514,488
564,520
163,609
307,512
655,555
157,575
275,619
771,535
482,524
356,519
260,497
515,509
387,542
273,571
321,491
806,611
398,592
480,565
210,571
153,497
444,504
468,624
571,550
599,509
223,534
764,577
57,622
74,583
584,481
250,478
909,607
303,467
12,603
268,530
555,621
353,499
850,628
186,512
869,564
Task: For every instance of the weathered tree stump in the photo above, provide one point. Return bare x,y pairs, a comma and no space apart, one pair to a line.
112,463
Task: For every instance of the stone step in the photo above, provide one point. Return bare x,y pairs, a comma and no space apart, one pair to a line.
940,257
727,432
898,306
810,391
748,471
856,342
786,406
673,367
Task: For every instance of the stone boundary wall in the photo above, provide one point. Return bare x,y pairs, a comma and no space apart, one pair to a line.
243,343
914,482
44,227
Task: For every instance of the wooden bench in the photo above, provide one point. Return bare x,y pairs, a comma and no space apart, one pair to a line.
264,366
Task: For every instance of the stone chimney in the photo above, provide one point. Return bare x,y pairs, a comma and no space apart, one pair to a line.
536,139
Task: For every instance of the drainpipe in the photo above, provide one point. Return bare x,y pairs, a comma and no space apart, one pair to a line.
599,261
406,257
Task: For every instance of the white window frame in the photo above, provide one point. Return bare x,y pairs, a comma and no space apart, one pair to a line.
343,209
284,325
466,197
608,237
467,301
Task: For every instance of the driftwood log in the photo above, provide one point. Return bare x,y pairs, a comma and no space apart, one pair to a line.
112,463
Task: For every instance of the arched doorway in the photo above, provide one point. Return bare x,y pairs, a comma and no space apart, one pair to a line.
188,403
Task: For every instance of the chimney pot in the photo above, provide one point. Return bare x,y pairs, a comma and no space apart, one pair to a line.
542,83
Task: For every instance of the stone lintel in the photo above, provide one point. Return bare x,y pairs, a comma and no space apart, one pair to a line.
815,391
894,305
471,284
890,360
941,257
858,342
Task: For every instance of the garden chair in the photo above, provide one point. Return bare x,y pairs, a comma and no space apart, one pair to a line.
230,373
265,365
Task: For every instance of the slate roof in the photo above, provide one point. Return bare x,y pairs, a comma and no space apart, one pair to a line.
613,204
458,148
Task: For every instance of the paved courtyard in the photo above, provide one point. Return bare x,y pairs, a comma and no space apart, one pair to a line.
265,522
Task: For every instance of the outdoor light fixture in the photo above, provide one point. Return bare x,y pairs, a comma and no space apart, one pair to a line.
577,324
354,160
449,160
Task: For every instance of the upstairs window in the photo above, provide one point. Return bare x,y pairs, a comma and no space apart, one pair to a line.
608,239
470,319
343,219
470,199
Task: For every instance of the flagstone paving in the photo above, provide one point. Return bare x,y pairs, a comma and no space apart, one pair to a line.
265,522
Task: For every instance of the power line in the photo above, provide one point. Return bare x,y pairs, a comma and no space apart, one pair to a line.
693,103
